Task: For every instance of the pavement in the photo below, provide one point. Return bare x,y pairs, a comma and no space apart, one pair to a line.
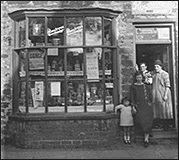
165,149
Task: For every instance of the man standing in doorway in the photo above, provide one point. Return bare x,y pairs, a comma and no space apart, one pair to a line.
146,75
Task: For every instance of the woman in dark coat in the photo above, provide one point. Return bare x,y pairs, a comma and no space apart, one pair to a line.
141,98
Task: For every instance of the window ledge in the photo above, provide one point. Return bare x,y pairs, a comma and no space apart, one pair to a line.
63,116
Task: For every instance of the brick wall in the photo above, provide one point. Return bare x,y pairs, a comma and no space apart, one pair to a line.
69,132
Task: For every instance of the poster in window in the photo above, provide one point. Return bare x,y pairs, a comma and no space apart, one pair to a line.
39,91
92,65
55,89
37,94
36,60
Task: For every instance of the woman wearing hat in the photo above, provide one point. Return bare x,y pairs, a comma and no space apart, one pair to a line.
162,102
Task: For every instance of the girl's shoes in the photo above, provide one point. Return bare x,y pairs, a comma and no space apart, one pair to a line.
146,144
129,142
125,141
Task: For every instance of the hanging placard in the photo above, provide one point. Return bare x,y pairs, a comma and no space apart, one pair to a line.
92,65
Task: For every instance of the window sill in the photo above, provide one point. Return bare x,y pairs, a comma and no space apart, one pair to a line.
63,116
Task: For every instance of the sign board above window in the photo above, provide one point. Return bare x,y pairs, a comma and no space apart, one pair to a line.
152,7
152,33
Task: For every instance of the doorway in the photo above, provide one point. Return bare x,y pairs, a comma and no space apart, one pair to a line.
148,53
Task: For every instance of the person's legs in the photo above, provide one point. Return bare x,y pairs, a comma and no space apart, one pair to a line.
128,134
125,134
146,139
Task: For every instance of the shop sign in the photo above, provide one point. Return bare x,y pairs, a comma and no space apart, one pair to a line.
152,7
51,32
152,33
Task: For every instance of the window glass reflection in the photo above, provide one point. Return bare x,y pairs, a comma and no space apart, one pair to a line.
74,31
94,95
109,95
56,96
75,63
93,31
22,68
108,63
22,97
55,63
107,31
22,27
36,32
75,98
55,31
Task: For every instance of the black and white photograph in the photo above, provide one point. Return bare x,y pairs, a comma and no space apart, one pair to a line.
89,79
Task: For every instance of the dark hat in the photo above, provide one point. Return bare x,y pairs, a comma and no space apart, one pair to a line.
158,62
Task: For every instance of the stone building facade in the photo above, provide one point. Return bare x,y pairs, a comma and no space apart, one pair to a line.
133,13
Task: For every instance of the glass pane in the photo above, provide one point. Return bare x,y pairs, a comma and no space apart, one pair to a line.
55,31
22,68
75,63
22,28
94,63
75,98
93,31
74,31
56,96
22,97
36,99
36,32
108,63
36,63
55,62
94,94
107,31
109,95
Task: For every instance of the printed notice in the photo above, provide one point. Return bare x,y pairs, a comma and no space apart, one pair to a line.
55,89
92,65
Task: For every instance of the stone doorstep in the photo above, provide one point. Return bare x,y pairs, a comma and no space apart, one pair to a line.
159,136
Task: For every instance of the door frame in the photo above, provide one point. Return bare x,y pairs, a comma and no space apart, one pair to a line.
163,23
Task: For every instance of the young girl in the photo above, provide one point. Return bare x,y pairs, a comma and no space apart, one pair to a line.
126,118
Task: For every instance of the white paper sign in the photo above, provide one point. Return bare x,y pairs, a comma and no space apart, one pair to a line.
55,88
52,52
92,65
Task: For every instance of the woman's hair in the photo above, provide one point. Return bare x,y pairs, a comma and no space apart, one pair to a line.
138,73
125,99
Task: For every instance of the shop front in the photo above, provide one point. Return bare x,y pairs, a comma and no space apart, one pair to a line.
64,77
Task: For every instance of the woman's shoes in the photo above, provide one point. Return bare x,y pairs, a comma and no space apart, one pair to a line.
146,144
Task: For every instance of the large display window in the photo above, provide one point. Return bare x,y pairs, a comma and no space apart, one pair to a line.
64,61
